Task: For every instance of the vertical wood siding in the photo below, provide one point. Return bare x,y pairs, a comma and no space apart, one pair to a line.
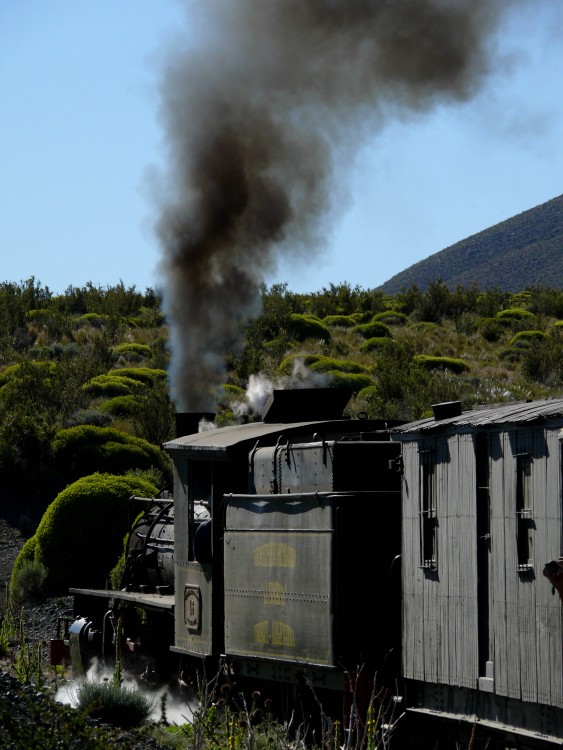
440,606
440,615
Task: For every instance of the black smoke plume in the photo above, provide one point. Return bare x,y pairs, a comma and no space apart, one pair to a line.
262,116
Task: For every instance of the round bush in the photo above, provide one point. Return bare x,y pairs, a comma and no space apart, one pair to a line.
391,318
115,704
328,364
147,375
373,330
452,364
287,364
352,380
112,385
129,350
525,338
302,327
378,344
514,313
120,406
492,328
81,533
84,449
368,394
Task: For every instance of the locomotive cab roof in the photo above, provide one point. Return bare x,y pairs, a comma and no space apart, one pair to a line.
300,413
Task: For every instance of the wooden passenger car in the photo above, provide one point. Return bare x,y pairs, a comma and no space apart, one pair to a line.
482,514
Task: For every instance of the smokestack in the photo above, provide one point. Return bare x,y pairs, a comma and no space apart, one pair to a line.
275,101
187,423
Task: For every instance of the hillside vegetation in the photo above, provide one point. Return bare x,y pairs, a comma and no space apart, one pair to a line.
521,252
83,384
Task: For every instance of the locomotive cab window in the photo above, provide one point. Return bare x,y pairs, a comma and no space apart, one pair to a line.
427,501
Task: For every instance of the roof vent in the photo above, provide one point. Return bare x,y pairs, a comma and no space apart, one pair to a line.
446,410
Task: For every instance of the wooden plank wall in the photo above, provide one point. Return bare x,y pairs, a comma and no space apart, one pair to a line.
412,575
440,607
526,616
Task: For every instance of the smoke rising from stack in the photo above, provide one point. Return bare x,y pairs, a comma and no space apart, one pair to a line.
262,120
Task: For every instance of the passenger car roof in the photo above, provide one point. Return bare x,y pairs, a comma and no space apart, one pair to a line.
515,413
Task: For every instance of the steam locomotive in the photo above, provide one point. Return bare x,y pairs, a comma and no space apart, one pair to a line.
313,557
277,557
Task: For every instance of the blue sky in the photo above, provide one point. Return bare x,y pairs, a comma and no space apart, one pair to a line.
81,137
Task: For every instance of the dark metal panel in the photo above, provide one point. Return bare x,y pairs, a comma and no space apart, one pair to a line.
278,579
278,595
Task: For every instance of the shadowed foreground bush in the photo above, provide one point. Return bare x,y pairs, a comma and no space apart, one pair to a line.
115,704
80,536
28,582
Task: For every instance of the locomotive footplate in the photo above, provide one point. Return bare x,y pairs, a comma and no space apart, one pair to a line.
152,601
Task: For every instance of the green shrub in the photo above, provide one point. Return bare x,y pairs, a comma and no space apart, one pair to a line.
302,327
373,330
234,391
328,364
120,406
287,364
378,344
525,338
492,328
130,350
340,321
391,318
85,449
25,557
430,362
354,381
40,368
115,704
425,326
147,375
81,533
515,313
28,583
368,394
112,385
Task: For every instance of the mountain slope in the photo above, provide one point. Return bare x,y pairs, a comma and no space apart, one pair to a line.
518,253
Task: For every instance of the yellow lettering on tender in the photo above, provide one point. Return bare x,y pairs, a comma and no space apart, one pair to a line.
274,555
261,632
282,634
